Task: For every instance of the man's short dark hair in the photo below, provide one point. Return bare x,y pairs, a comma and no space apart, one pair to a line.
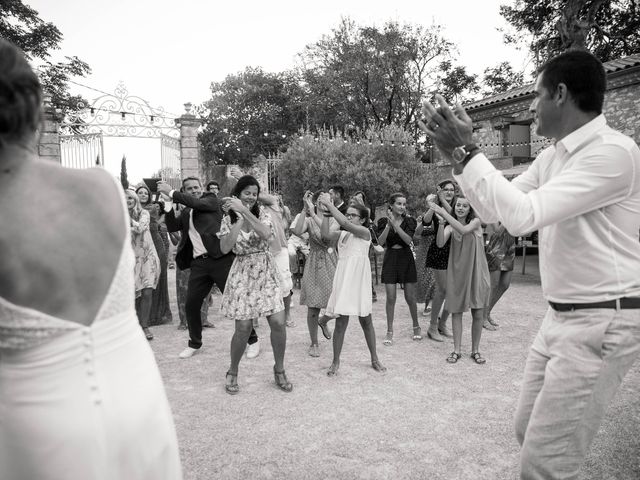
582,73
185,180
212,182
338,189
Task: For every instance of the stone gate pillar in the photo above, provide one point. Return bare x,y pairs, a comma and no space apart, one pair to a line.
49,141
189,148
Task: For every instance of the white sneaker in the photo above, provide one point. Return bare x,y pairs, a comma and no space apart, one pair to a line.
253,350
188,352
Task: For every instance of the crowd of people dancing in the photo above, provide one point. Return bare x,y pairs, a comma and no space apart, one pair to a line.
253,231
81,395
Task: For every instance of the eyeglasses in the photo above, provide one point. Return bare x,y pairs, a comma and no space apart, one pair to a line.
351,215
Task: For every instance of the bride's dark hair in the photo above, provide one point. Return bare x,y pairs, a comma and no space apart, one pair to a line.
20,96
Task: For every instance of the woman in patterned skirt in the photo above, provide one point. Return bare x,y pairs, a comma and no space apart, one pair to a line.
253,285
501,254
160,310
320,266
147,268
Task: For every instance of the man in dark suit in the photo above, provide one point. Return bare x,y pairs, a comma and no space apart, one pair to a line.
199,249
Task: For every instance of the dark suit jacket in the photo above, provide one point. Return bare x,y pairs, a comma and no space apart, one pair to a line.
207,217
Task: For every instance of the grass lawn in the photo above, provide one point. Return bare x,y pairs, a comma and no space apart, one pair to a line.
422,419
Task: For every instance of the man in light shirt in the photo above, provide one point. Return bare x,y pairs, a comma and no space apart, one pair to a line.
583,195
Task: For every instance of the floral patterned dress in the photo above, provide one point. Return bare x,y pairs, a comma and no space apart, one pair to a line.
253,284
147,268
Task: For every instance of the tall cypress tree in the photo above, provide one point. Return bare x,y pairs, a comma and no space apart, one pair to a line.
123,173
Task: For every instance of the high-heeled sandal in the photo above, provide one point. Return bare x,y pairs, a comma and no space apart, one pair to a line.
232,388
281,380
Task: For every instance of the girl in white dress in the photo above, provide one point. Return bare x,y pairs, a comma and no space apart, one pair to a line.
351,292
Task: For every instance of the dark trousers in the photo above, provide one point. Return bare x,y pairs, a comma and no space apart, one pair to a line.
205,272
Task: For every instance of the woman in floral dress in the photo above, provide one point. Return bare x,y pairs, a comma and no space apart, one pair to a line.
160,309
147,268
253,285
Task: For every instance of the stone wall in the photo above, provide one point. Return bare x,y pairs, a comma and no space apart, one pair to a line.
49,141
622,110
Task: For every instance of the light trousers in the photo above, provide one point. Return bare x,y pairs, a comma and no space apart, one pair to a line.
574,368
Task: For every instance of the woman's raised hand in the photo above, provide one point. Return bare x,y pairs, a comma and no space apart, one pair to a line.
236,205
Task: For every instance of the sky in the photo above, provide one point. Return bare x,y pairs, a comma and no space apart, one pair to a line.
169,52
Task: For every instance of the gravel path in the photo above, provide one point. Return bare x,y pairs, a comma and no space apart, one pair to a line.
423,419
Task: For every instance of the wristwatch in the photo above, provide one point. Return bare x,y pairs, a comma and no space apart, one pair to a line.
464,152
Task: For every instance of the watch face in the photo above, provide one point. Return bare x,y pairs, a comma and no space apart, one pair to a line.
459,153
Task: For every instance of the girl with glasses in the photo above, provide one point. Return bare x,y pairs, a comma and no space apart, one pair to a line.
351,292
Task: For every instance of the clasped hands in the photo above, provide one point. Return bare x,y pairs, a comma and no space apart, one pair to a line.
447,128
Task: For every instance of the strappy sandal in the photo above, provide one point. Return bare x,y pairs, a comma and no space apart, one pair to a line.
147,333
377,366
417,333
388,341
333,370
232,388
281,380
479,359
325,330
454,357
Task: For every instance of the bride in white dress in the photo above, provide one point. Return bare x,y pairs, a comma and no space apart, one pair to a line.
80,393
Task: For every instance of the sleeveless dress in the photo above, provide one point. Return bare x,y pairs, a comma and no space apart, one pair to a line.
82,402
468,281
351,292
319,269
253,285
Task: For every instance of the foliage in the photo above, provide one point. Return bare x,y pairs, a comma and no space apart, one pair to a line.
243,108
363,164
608,28
124,179
457,86
22,25
501,78
369,77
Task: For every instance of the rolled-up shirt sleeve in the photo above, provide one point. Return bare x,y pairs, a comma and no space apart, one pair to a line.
525,205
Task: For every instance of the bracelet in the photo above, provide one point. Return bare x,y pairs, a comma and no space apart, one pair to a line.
327,215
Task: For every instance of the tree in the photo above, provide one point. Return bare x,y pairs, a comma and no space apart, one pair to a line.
457,86
124,179
251,113
379,169
608,28
501,78
368,77
22,25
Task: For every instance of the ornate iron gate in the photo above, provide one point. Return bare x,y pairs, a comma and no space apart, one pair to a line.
119,115
82,150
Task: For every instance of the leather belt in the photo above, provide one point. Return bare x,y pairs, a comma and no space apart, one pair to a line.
204,255
624,303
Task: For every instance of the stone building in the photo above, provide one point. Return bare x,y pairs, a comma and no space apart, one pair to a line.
503,124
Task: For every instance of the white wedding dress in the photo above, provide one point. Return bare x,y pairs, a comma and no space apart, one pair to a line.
83,403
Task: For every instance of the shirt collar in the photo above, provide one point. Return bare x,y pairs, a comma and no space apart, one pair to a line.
576,138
